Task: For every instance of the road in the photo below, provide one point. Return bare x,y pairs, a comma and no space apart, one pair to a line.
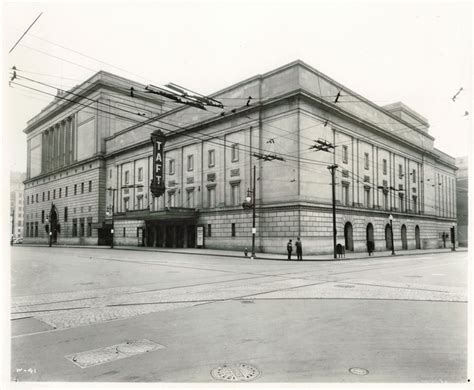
208,318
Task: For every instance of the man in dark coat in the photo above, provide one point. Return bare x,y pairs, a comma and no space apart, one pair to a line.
299,249
289,248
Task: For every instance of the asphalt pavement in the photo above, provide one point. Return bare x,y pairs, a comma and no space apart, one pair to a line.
172,317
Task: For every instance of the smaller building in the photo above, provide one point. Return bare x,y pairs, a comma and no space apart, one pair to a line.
462,199
17,189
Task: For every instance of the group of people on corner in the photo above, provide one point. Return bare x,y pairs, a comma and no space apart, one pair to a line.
298,246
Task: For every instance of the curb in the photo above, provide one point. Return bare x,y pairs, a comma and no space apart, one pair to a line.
137,249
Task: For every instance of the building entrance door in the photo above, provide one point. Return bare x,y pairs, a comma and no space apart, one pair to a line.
417,237
404,237
370,238
54,225
349,243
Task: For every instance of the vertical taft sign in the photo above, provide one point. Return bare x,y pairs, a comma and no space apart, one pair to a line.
157,186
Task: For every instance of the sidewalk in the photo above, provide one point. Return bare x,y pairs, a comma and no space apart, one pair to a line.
262,256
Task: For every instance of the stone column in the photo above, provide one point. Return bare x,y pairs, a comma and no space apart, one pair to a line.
163,244
155,234
185,236
175,236
67,140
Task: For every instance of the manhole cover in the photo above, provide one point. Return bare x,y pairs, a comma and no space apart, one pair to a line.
344,286
235,373
358,371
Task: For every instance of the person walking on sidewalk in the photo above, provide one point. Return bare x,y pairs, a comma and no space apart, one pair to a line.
289,248
299,249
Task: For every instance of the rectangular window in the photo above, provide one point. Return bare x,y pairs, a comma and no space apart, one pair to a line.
413,174
384,166
139,202
36,198
82,188
89,226
124,232
90,185
235,152
27,199
233,229
74,227
43,196
54,194
36,229
60,192
65,214
400,171
127,177
211,197
172,199
171,167
138,232
400,203
65,192
42,216
414,198
366,161
345,195
125,203
211,157
190,162
140,174
75,189
48,195
209,231
385,200
81,227
110,173
367,197
235,194
190,198
344,154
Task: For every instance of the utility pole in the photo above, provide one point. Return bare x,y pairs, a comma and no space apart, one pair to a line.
250,203
333,168
254,230
321,145
112,215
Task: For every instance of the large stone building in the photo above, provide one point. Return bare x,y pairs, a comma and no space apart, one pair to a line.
16,204
83,161
462,200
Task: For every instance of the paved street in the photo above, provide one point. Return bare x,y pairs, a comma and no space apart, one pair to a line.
402,319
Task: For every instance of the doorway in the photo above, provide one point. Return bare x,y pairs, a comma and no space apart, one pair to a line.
417,237
348,239
404,238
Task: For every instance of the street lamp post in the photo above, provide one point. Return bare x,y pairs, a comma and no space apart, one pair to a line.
250,203
391,233
111,213
50,233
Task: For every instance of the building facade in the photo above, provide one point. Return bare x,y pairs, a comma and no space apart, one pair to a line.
386,165
462,200
16,204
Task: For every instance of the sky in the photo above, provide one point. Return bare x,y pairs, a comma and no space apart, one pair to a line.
417,53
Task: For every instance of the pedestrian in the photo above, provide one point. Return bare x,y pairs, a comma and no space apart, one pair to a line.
289,248
299,249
